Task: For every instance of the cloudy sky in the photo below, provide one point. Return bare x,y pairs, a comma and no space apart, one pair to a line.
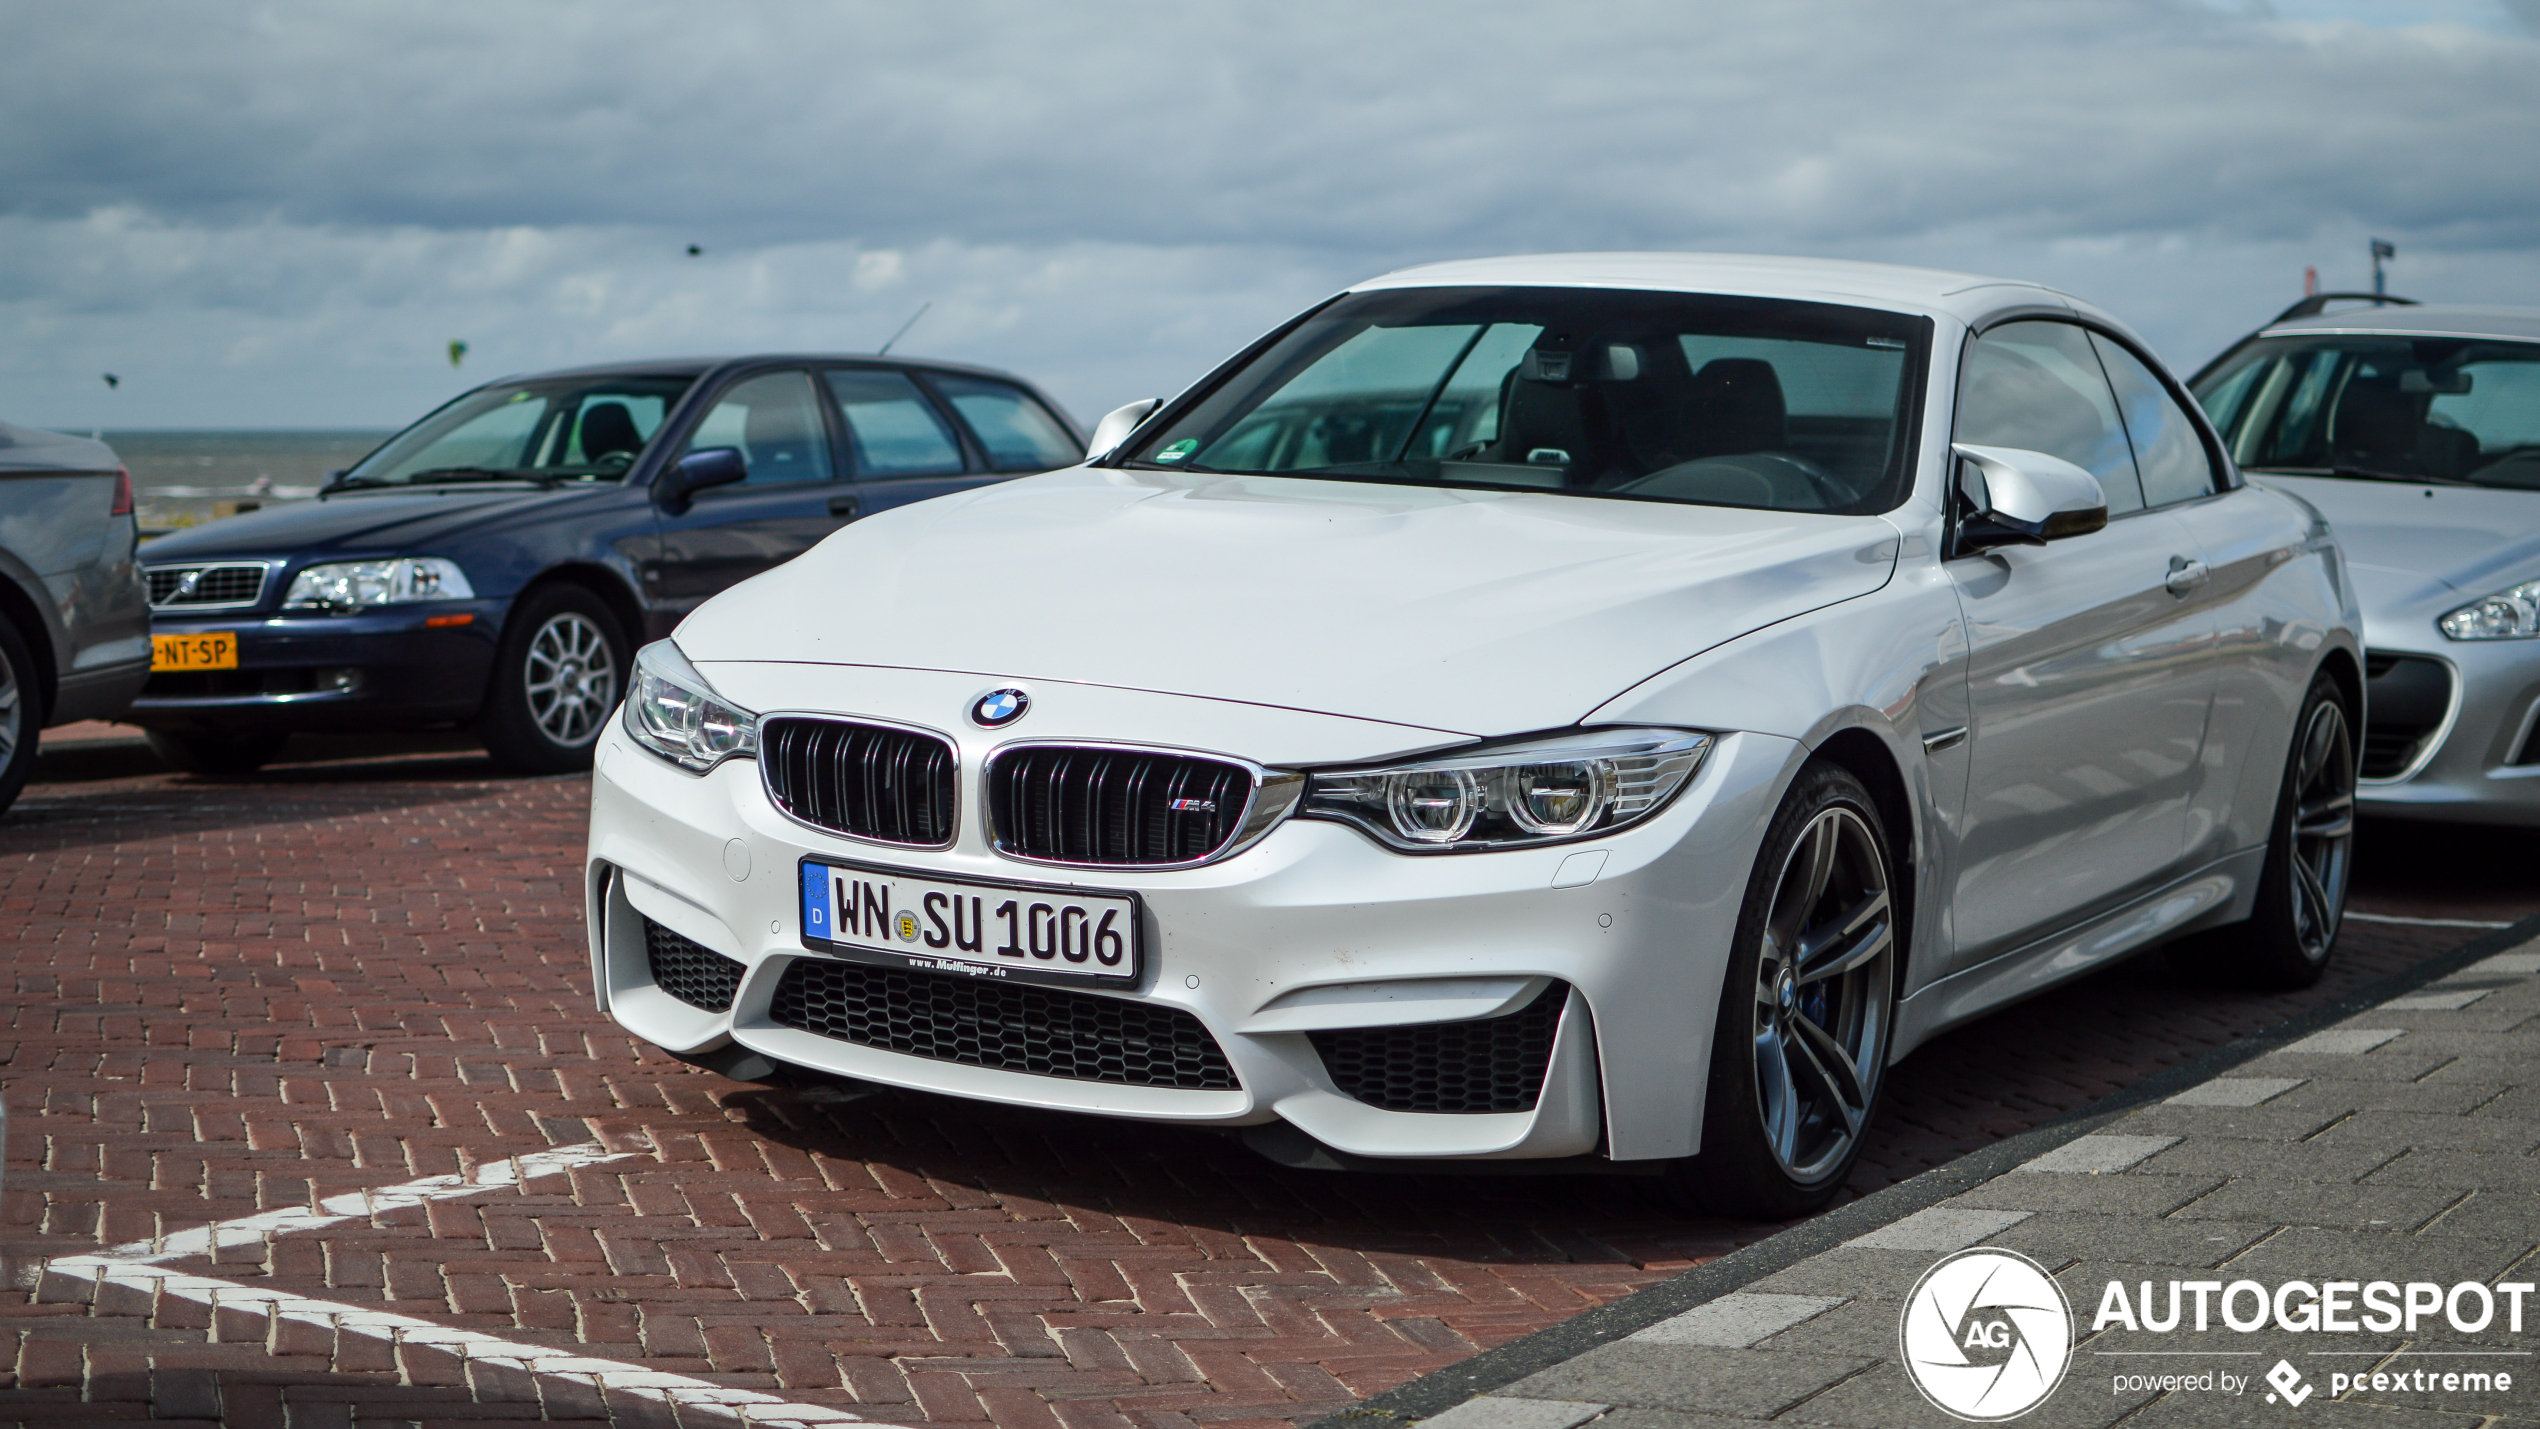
281,214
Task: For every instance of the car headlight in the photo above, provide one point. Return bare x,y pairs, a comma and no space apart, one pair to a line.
1540,791
673,712
358,585
2506,615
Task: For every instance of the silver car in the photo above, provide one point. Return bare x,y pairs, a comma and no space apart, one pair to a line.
2417,431
74,615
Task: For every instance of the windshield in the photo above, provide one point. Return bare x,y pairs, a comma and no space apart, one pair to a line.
1678,397
2453,410
591,427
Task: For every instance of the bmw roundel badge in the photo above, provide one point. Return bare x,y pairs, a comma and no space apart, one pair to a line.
999,708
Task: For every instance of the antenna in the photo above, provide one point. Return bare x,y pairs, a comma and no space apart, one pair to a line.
904,327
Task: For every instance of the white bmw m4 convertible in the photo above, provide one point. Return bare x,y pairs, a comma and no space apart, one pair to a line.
1597,711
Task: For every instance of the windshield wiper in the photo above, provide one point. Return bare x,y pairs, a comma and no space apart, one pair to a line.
2362,473
446,476
440,474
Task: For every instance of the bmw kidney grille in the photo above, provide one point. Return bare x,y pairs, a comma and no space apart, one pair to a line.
869,781
1113,807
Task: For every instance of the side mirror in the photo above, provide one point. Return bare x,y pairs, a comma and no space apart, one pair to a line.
1117,424
695,472
2023,498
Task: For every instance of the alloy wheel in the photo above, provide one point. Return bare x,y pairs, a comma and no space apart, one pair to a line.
570,679
2323,828
1824,990
12,710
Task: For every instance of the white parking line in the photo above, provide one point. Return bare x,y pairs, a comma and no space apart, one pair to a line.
566,1379
360,1205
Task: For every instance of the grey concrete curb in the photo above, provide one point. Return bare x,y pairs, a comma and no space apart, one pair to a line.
1493,1369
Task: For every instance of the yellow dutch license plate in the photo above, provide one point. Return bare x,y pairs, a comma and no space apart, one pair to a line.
209,650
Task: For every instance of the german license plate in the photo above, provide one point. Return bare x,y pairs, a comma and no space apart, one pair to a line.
207,650
1030,931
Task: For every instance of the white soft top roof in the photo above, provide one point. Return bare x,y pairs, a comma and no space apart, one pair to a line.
26,449
1928,291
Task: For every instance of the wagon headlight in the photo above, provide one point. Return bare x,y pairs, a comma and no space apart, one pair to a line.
359,585
1536,792
2506,615
673,712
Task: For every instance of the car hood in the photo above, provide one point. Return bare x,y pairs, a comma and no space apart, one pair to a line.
1471,612
381,524
2409,543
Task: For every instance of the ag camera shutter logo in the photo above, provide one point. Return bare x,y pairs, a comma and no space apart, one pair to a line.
1986,1335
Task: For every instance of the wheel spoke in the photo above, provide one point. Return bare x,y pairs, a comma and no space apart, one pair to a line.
1833,1069
1858,937
2316,743
1822,843
1781,1099
2312,899
2330,818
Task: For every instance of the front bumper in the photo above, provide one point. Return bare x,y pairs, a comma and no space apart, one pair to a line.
2478,761
388,669
1314,929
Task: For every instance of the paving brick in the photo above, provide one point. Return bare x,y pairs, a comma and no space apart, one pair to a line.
240,995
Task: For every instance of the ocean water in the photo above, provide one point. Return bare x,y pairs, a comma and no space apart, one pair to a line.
183,478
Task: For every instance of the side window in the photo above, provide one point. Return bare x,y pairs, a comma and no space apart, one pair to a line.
2037,386
2167,450
891,427
775,421
1018,433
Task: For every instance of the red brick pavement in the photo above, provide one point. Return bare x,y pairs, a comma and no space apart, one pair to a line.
231,997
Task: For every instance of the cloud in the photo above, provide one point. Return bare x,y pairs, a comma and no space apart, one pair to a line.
1122,193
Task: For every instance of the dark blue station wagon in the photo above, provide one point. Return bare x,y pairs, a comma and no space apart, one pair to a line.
495,564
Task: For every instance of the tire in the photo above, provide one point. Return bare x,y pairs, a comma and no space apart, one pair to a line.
2286,943
206,752
21,714
1800,1053
561,671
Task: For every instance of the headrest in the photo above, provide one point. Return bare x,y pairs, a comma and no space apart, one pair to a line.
2377,419
608,429
1736,406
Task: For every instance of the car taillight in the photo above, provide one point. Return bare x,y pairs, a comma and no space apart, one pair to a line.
123,492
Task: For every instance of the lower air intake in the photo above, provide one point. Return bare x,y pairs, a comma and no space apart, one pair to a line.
693,973
2405,700
1013,1027
1494,1064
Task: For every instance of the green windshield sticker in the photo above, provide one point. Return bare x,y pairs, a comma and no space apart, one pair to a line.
1178,450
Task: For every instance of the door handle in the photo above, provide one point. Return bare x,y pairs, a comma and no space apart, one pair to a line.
847,506
2185,575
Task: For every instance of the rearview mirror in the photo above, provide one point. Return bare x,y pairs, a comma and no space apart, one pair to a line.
1117,424
697,471
2016,497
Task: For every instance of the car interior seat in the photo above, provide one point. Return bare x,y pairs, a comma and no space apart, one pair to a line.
1736,407
2381,426
608,430
1545,424
1653,411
